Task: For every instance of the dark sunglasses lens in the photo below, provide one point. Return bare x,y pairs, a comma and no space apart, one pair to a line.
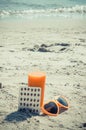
62,101
51,107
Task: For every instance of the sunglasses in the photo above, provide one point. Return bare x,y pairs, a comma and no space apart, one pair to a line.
53,107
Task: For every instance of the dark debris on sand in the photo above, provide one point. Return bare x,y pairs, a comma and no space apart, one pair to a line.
62,49
83,125
46,48
42,49
0,85
62,44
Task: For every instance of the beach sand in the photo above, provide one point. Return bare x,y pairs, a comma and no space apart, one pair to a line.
57,47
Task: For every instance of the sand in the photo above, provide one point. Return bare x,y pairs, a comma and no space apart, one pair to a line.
57,47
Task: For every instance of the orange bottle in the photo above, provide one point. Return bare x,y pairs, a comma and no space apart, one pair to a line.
37,79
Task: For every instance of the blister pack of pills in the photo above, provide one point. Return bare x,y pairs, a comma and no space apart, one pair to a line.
29,98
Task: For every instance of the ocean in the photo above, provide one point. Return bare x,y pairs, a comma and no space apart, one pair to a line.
35,9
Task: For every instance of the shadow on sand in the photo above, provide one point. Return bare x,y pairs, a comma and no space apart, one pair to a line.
19,116
22,115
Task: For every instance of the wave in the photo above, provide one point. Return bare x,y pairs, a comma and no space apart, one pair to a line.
75,9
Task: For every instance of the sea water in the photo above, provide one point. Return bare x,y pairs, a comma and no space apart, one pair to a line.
30,9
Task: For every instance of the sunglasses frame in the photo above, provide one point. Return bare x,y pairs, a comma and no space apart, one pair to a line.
61,105
58,104
48,113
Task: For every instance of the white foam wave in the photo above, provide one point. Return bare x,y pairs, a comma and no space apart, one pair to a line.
75,9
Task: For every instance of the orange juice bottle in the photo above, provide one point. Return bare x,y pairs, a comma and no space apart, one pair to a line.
37,79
